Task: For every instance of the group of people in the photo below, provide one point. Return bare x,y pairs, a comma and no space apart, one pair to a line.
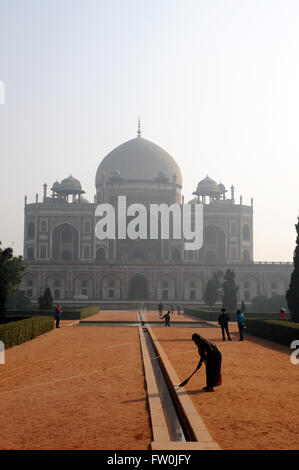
208,351
210,354
223,320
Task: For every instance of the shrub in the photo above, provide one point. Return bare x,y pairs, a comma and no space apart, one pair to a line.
229,297
46,301
88,311
283,332
212,315
17,332
211,290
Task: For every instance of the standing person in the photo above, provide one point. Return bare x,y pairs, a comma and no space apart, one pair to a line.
172,309
241,324
160,309
179,309
58,314
223,320
211,356
167,318
282,314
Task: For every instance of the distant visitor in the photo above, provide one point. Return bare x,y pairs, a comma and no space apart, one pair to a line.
166,317
282,314
241,324
223,320
58,314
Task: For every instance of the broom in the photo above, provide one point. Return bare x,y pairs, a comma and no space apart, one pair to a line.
187,380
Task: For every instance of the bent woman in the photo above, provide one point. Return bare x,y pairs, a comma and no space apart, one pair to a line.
211,356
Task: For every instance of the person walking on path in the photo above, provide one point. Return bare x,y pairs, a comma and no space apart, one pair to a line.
58,314
241,324
211,356
167,318
223,320
160,309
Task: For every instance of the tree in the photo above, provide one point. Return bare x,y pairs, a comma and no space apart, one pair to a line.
292,294
259,303
275,303
211,290
229,289
46,301
18,301
11,268
41,302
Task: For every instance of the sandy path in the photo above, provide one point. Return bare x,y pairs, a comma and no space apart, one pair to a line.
75,388
257,405
83,388
114,315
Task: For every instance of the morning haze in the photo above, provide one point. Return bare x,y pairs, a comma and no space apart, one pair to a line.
215,83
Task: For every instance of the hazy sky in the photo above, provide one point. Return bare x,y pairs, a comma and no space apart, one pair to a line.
216,84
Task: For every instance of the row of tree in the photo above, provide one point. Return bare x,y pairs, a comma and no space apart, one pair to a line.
228,290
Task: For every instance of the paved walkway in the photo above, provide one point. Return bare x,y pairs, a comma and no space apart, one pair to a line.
75,388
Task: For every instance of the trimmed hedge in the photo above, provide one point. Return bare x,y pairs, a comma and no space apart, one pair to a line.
66,314
279,331
213,315
11,318
89,311
17,332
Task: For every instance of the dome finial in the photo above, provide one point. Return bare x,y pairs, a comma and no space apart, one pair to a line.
138,131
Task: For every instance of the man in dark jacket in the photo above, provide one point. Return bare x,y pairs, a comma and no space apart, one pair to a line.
223,320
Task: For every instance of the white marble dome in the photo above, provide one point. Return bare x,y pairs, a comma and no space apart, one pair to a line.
138,160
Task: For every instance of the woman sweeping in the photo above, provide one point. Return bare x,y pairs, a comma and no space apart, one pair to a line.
211,356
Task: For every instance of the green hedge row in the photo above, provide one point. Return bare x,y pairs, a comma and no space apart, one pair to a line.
18,332
88,311
283,332
66,314
213,316
75,314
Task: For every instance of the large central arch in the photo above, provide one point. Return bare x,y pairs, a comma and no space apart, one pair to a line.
138,288
65,243
214,244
